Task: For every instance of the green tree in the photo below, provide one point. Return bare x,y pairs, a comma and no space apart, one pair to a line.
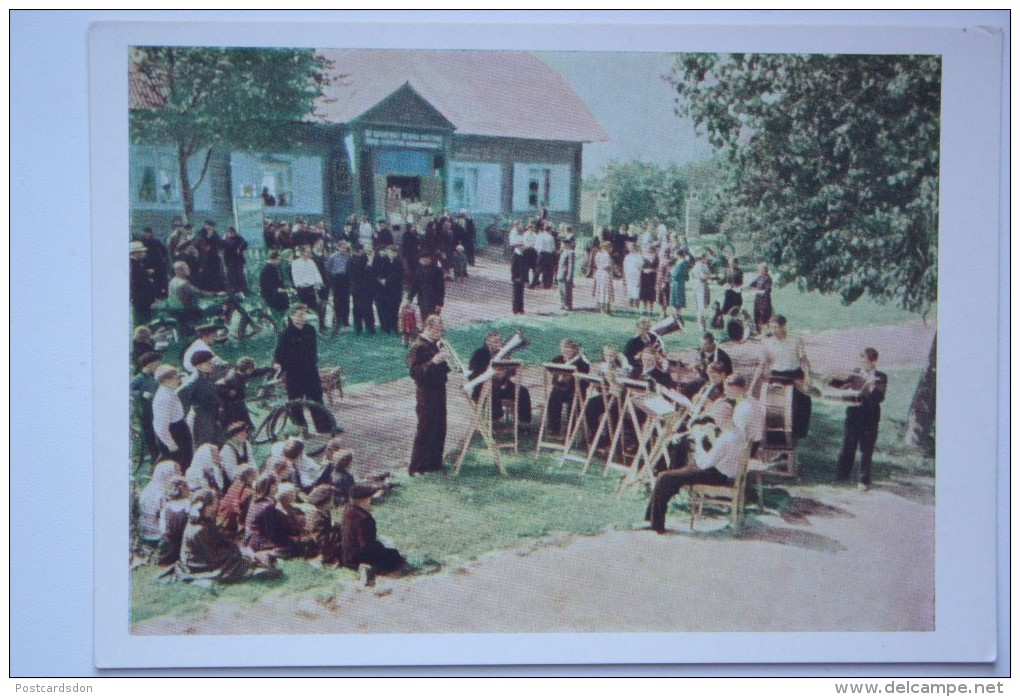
836,166
200,98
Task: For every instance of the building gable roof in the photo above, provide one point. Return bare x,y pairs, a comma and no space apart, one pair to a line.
405,107
509,94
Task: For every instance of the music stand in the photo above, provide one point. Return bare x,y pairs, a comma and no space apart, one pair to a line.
481,423
661,420
515,401
550,370
613,397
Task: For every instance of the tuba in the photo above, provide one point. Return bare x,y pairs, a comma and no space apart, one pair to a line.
516,342
470,385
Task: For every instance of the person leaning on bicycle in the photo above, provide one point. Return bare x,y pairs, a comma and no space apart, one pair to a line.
183,295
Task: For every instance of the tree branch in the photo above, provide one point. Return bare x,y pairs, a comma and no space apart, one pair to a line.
205,168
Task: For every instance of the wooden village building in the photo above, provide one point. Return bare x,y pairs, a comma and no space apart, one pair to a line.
499,134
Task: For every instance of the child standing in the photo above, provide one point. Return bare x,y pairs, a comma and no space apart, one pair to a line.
410,322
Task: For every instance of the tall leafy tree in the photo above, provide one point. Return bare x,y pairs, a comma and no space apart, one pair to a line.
836,162
200,98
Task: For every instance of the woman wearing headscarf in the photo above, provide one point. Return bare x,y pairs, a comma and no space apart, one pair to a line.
205,471
152,497
173,519
233,507
206,555
267,527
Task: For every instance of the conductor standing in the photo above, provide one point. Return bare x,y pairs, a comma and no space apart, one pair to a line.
861,427
427,364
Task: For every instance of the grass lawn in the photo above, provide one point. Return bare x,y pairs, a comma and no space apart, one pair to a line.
379,358
446,521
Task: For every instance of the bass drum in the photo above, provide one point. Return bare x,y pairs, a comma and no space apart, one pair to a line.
778,401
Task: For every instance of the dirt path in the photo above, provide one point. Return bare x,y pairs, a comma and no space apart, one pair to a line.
829,565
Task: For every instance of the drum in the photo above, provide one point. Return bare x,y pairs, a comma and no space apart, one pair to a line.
778,400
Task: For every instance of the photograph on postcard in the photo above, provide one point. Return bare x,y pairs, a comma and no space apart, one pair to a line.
465,341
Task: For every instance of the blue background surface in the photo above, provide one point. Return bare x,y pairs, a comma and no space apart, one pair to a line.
51,514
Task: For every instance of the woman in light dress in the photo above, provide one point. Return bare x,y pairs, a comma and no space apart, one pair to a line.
632,265
603,287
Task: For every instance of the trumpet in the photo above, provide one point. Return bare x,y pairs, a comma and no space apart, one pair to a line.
452,358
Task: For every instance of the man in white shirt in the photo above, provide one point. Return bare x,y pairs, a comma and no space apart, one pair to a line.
168,421
206,335
720,465
530,254
748,413
784,360
307,280
545,245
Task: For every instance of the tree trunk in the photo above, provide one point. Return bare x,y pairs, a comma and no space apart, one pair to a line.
920,429
187,195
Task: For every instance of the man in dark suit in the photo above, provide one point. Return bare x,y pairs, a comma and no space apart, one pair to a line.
362,281
297,354
645,338
429,286
518,277
427,364
468,225
710,353
561,393
503,385
157,260
861,427
271,285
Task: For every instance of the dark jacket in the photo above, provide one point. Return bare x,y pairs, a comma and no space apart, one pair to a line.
270,285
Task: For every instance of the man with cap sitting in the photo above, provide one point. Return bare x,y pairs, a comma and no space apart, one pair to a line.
359,541
143,390
203,398
168,421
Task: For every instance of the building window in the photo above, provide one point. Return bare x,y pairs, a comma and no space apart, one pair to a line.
277,187
539,184
158,186
464,188
475,187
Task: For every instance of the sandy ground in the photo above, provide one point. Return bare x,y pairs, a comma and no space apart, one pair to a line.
837,560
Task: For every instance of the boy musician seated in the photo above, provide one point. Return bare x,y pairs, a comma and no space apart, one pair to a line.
502,382
561,392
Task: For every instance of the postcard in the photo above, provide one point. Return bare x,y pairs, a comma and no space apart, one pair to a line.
618,345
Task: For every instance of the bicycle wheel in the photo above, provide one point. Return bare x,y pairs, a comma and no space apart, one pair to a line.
260,323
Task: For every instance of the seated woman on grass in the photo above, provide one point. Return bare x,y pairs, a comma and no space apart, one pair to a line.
207,556
267,526
173,519
152,498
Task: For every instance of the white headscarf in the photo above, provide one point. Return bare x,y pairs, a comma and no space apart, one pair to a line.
205,472
150,501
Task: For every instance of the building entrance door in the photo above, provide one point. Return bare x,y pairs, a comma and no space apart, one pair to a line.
410,187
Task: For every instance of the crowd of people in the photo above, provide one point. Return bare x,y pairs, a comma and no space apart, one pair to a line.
209,512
